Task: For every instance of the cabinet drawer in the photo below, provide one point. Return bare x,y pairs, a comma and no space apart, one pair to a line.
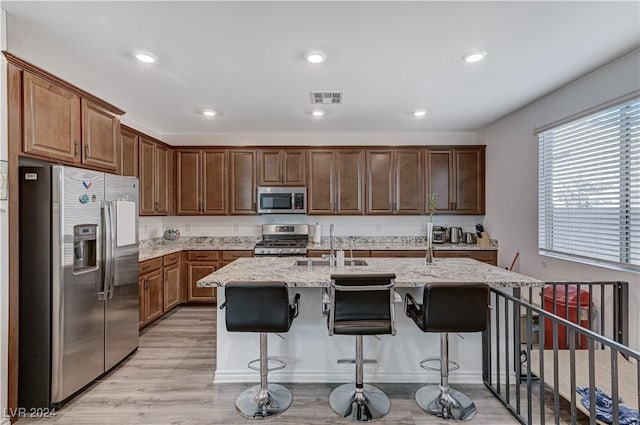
150,265
204,255
228,256
398,254
171,259
488,256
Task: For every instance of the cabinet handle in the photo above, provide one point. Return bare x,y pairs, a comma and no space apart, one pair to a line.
86,147
75,148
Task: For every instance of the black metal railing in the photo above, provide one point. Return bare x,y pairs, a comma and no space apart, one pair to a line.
535,360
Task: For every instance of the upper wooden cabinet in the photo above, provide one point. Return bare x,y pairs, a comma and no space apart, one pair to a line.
51,120
242,181
335,181
163,180
395,181
155,181
201,182
100,136
60,124
457,176
129,147
281,167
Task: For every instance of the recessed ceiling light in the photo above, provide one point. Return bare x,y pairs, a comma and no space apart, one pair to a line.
318,113
209,113
473,57
419,113
146,57
315,57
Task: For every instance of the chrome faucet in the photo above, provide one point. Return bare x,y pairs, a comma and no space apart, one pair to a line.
332,257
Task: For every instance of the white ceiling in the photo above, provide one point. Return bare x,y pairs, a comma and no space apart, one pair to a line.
245,59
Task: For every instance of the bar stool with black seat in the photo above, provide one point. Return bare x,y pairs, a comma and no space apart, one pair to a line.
448,307
361,304
261,307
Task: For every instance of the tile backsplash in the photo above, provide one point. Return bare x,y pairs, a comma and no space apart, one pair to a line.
153,227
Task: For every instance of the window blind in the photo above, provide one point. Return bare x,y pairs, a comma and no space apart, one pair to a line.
589,187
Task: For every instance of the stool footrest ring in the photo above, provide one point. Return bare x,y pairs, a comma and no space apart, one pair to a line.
280,364
425,364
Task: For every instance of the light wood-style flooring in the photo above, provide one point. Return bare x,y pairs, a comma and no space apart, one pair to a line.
169,381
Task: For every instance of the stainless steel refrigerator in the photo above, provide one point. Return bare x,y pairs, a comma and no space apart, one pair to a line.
78,298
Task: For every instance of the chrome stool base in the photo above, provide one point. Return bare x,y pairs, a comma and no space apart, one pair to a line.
254,404
452,405
364,405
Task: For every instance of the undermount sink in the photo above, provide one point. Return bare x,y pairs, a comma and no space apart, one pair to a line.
320,263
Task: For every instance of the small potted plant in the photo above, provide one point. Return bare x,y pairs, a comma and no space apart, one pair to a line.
431,203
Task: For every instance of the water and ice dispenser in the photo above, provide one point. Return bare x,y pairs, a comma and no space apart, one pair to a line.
85,248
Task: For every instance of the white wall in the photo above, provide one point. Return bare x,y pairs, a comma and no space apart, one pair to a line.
320,139
512,173
4,227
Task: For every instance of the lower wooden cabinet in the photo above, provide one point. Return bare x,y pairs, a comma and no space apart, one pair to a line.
229,257
486,256
150,292
172,283
196,272
398,254
347,253
199,264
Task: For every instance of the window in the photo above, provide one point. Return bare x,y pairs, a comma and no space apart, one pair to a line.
589,187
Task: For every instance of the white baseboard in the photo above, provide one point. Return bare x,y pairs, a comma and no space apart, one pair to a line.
228,377
5,421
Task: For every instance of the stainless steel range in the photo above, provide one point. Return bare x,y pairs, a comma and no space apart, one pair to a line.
282,240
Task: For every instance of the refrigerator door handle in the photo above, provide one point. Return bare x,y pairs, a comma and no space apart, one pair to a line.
106,249
112,249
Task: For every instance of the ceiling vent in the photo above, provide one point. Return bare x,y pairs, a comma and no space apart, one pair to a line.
326,97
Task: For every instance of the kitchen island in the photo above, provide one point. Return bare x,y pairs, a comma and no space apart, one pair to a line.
312,355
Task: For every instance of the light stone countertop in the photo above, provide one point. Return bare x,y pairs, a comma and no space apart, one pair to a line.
155,248
410,272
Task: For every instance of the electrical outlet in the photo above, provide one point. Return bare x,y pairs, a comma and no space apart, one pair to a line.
187,227
378,227
235,227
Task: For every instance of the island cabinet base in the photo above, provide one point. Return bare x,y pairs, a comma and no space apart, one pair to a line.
312,355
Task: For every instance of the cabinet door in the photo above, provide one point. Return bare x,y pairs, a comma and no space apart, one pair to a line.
439,178
270,167
214,182
349,181
147,173
188,183
469,181
243,182
171,287
154,299
408,182
128,153
100,136
293,163
142,286
51,120
162,180
196,272
380,182
320,190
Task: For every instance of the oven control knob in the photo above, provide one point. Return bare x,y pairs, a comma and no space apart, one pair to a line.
278,251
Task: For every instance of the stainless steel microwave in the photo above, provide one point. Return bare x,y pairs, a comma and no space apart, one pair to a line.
282,200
